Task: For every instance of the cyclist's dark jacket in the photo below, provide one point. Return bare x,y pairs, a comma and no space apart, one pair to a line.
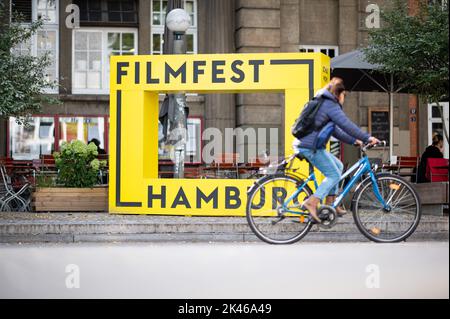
331,111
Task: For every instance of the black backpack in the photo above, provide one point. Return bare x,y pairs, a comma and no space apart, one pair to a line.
304,124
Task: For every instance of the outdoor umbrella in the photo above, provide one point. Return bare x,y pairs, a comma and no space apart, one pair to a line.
360,75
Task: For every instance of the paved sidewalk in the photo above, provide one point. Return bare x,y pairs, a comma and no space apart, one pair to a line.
103,227
225,270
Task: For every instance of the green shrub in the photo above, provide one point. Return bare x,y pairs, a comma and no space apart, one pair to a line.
45,180
77,164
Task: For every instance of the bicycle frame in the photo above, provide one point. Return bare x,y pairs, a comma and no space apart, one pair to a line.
361,167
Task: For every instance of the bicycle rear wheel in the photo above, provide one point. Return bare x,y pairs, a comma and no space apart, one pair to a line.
265,213
379,224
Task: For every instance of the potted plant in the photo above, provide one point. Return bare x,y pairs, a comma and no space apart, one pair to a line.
76,190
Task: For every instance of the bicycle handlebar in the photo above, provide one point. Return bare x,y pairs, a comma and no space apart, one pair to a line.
369,146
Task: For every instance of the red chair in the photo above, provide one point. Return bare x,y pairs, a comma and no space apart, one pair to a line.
437,170
407,165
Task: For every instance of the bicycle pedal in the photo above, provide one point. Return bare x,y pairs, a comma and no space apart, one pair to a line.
328,216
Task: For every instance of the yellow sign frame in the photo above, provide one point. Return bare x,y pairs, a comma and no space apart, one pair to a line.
135,83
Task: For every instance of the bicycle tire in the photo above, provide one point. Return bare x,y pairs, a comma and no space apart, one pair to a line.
260,183
356,216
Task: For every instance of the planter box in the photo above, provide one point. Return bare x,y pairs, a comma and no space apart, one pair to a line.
58,199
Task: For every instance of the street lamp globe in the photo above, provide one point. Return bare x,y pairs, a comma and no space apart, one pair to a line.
178,20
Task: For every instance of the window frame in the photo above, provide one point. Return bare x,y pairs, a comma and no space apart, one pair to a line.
34,10
105,11
9,141
57,133
318,48
34,46
200,119
432,120
106,132
104,87
159,29
186,159
52,27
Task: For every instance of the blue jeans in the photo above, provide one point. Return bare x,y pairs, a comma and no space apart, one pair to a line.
329,165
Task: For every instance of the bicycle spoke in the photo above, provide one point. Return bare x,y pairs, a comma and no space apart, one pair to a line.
368,203
387,225
404,210
371,217
281,188
399,200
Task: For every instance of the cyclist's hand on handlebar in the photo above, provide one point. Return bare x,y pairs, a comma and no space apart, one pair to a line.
358,143
374,141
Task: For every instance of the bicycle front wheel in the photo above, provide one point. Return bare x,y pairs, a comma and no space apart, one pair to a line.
273,209
386,225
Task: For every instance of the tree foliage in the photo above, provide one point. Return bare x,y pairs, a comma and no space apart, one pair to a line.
414,48
23,77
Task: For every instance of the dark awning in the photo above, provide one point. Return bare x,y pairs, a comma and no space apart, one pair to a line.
360,75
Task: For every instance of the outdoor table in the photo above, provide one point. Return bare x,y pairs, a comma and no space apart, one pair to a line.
226,170
251,167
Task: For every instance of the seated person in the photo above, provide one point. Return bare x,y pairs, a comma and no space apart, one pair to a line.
435,150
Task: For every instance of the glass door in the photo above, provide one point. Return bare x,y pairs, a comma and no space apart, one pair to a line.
435,124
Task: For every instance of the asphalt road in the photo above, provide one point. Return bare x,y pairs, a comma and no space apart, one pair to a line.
188,270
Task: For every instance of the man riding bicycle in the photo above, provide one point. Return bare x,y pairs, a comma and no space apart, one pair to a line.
332,121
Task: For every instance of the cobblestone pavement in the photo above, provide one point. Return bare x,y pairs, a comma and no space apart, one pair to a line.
103,227
105,218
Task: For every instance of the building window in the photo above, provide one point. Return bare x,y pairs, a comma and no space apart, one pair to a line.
158,18
82,128
92,49
46,9
435,124
193,146
442,3
24,48
45,41
159,9
88,60
37,139
104,12
24,8
194,142
32,141
331,51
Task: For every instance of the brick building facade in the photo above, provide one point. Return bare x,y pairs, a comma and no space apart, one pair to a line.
110,27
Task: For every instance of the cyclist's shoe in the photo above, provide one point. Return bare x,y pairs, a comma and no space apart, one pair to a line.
308,204
340,211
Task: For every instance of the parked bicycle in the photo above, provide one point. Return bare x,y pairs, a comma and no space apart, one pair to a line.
385,207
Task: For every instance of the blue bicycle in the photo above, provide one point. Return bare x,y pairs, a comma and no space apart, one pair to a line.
385,207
